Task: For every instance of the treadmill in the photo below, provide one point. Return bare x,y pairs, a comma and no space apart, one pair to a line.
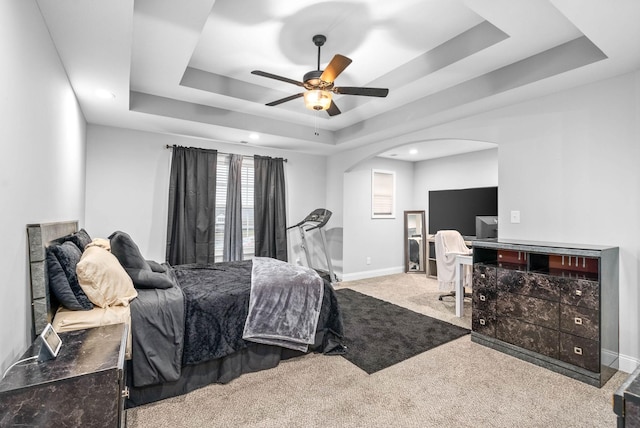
317,219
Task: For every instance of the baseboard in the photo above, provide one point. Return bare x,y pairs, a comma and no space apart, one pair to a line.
627,364
372,273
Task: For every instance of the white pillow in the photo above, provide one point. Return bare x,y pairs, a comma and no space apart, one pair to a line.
103,279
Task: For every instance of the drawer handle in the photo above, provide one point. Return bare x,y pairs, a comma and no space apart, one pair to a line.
482,321
578,292
577,350
482,275
483,298
125,392
578,320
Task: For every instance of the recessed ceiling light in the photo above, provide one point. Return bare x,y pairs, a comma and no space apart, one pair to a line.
104,94
413,151
254,136
393,154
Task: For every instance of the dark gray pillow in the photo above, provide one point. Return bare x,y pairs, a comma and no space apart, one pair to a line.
63,281
127,252
81,238
149,279
156,267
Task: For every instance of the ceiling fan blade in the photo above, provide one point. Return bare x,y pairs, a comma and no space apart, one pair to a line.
335,67
276,77
367,92
284,100
333,109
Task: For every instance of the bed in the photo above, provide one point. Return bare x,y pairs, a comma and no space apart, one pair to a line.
190,325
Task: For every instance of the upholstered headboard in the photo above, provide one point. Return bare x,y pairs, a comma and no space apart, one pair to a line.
40,236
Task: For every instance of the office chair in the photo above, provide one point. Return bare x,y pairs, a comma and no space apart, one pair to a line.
448,245
414,254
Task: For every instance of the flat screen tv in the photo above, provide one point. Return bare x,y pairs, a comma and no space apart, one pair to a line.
457,209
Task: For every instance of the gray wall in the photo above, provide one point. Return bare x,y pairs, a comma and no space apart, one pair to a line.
43,162
569,163
379,239
382,240
128,182
469,170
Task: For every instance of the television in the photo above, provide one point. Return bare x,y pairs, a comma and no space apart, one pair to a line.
457,209
486,226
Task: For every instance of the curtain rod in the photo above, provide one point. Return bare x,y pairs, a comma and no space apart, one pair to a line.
169,146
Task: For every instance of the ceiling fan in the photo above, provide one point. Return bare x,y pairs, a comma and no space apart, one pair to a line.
319,84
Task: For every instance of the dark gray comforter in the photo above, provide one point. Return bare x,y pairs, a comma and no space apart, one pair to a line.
215,305
157,320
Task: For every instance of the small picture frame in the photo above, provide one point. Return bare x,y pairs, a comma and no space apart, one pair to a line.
50,344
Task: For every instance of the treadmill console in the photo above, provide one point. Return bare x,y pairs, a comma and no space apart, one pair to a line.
319,217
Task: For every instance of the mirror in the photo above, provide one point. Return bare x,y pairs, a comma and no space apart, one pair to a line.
415,241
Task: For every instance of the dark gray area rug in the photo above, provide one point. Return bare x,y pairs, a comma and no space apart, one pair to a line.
379,334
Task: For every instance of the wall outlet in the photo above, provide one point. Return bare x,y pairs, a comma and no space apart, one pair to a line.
368,260
515,216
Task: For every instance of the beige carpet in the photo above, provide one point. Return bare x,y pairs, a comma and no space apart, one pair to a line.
459,384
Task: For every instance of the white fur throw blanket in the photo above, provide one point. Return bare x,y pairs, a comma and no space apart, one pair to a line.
449,244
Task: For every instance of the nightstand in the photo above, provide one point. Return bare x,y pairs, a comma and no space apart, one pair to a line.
84,386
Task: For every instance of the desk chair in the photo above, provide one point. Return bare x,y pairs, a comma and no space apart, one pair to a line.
448,245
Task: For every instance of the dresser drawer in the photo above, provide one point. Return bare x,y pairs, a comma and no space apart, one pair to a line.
484,299
583,322
483,322
580,292
535,311
528,336
530,284
484,277
581,352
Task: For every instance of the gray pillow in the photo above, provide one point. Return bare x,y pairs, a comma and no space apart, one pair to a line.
156,267
127,252
142,273
81,238
63,281
149,279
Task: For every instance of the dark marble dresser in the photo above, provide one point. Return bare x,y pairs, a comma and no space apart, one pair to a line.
82,387
554,305
626,402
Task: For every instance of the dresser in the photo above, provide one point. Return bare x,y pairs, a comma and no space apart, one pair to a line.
83,386
554,305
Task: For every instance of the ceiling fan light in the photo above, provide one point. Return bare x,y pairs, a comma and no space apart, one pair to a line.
317,99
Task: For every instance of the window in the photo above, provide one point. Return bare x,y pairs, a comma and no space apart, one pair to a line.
383,194
222,175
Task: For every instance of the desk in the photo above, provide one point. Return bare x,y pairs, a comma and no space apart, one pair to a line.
461,261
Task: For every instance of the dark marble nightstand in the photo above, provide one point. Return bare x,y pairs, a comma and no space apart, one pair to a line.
83,386
626,402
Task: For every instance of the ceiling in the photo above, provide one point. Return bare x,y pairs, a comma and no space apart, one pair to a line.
184,67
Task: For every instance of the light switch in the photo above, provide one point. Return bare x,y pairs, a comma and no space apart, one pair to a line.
515,216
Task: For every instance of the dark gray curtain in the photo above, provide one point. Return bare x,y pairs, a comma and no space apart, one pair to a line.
233,213
192,197
270,223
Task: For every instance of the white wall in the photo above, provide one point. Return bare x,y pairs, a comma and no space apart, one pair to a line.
128,182
43,163
380,240
466,171
569,163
